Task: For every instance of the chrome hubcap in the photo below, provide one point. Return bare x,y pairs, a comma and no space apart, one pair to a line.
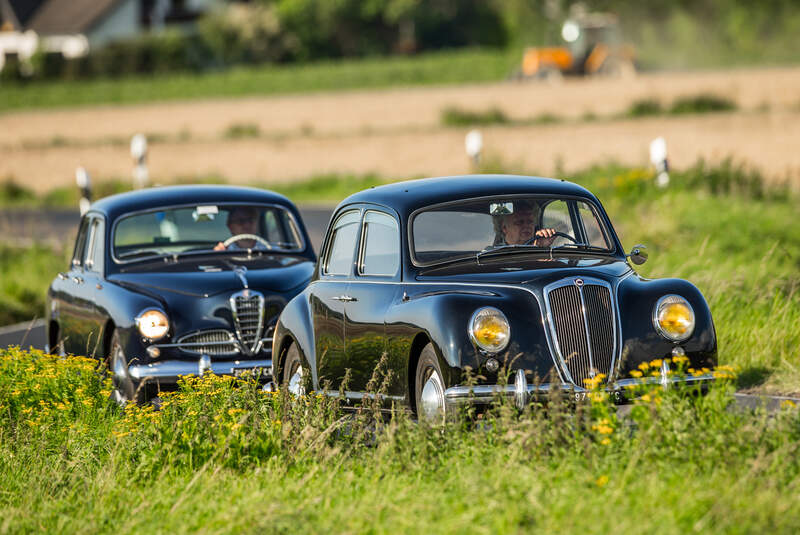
431,401
122,387
296,382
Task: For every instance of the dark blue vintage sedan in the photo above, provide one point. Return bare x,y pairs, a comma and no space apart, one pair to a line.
432,277
177,281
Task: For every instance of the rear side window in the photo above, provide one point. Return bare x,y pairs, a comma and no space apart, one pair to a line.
342,244
381,250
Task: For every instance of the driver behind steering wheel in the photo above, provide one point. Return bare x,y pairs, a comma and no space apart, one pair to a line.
242,220
518,228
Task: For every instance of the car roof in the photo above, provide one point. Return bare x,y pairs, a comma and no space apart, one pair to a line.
408,196
134,201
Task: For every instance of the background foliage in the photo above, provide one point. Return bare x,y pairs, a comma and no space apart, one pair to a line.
666,33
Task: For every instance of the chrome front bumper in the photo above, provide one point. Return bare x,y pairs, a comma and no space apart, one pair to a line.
169,371
521,392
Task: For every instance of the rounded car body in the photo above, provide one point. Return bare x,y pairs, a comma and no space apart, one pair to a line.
434,271
161,287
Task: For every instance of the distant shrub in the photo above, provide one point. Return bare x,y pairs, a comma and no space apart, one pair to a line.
645,107
12,192
241,130
706,103
453,116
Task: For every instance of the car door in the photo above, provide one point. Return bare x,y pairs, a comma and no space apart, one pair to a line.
374,286
79,330
327,297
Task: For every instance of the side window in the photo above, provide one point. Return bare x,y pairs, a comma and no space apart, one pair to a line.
556,216
94,249
342,244
380,253
594,233
80,244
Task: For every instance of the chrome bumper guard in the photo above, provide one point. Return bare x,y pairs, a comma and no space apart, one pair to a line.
521,392
169,371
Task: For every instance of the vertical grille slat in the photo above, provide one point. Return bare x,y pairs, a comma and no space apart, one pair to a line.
583,328
247,307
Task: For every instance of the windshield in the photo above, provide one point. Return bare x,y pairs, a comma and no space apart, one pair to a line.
468,228
199,228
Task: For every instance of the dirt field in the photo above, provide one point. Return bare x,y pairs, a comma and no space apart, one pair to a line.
398,132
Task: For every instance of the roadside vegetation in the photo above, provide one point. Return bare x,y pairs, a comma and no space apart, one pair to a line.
225,456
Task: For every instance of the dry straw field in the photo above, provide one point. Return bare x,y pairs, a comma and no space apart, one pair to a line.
398,132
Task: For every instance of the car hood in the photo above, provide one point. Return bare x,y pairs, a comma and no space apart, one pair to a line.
204,280
526,269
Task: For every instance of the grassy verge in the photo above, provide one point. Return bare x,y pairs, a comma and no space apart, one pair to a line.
219,458
451,67
25,274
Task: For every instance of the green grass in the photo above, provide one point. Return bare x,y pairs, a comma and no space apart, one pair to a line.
219,458
453,116
449,67
25,274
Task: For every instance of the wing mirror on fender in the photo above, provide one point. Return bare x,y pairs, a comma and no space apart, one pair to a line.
638,254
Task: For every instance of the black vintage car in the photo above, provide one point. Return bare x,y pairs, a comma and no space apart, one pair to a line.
441,274
177,281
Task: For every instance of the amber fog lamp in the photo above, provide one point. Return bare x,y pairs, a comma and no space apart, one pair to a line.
489,329
673,318
152,324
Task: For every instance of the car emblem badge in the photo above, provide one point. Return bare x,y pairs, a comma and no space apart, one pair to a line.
578,282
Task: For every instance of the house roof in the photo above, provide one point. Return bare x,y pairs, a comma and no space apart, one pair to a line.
69,16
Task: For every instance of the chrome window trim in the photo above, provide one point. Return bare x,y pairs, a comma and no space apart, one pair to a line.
612,251
363,246
302,246
325,257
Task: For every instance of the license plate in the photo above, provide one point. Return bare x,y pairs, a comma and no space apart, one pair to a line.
258,371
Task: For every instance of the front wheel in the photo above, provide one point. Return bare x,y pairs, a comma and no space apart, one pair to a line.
124,387
429,388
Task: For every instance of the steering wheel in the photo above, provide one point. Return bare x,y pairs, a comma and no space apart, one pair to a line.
255,237
558,233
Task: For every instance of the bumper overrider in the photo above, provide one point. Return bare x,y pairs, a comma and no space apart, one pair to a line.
521,392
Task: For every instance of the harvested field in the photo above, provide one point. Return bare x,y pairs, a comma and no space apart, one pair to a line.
398,132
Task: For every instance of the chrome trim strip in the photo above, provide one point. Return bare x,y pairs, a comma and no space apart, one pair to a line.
170,370
349,394
482,394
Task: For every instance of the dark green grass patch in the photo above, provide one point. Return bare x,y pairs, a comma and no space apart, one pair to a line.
453,116
706,103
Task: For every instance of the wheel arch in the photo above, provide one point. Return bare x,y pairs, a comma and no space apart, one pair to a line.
417,345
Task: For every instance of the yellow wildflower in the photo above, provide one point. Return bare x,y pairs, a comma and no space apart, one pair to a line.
656,363
644,366
636,374
602,481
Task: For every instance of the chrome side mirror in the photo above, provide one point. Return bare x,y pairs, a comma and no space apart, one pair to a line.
638,254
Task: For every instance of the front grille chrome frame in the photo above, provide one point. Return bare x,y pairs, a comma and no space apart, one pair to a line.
553,334
221,341
250,343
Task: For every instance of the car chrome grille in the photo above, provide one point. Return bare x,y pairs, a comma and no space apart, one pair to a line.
213,342
583,327
247,307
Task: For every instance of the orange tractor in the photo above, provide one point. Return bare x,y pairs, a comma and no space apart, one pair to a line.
593,46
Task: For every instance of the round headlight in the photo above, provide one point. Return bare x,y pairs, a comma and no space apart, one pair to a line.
489,329
153,324
673,318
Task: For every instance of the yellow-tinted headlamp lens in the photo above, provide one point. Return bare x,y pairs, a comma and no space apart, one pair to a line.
489,329
674,318
153,324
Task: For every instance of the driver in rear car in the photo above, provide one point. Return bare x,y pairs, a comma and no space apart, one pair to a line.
242,220
519,227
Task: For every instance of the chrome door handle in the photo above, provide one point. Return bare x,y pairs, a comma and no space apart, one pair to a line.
63,276
77,280
344,298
